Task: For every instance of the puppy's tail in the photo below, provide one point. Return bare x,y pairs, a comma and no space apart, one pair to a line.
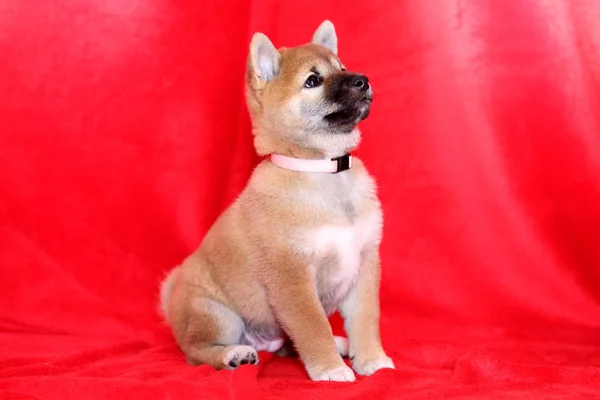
166,289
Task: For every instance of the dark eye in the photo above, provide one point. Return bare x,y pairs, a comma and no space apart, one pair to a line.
313,81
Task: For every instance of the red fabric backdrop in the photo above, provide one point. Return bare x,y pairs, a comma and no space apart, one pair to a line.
124,134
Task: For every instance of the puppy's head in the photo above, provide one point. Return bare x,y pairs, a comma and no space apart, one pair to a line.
302,100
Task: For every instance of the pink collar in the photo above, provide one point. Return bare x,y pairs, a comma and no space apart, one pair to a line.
333,165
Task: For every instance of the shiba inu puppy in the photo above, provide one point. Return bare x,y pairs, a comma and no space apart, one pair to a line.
302,239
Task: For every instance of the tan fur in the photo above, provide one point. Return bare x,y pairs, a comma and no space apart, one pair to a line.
276,263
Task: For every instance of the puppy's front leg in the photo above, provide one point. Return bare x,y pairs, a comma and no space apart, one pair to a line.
361,314
294,299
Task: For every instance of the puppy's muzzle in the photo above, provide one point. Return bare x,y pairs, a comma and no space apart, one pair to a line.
356,83
347,88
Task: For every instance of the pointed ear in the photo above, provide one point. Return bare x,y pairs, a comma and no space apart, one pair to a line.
264,57
325,36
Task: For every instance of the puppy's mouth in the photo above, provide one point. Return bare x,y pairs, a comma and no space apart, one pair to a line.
351,113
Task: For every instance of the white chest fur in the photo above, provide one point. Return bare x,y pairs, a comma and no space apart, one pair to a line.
347,241
338,252
350,219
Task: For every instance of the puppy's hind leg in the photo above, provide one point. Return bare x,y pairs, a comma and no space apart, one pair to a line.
212,335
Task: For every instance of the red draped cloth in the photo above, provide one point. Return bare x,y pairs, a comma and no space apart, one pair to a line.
124,134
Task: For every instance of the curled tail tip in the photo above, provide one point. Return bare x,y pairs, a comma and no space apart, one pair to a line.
166,289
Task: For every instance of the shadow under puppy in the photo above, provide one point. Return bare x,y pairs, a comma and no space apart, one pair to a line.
302,239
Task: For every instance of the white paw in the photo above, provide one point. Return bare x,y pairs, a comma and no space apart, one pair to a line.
271,345
239,355
340,374
369,367
342,345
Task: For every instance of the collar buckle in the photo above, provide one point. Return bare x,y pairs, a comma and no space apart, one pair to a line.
343,163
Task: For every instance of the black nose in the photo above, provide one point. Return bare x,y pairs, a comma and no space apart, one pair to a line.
355,83
360,82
